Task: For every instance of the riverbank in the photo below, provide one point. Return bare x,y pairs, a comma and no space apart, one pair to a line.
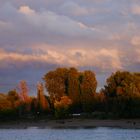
71,123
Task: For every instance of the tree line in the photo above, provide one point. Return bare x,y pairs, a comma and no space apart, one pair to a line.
74,92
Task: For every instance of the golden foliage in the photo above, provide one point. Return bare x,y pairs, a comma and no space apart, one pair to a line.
55,82
73,85
4,103
24,91
64,102
41,98
123,84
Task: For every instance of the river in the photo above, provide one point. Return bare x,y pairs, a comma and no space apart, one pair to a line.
100,133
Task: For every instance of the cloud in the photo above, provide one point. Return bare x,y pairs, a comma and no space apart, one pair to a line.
74,9
78,57
45,26
36,36
48,21
136,9
31,26
26,10
136,41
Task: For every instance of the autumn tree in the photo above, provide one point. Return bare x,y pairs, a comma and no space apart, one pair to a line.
23,91
42,101
5,104
79,86
13,97
122,84
122,91
88,85
6,108
34,105
99,102
62,107
137,82
24,97
73,88
55,83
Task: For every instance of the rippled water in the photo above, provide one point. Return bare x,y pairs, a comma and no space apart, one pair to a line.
100,133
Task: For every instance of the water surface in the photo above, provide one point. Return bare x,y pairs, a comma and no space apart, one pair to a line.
100,133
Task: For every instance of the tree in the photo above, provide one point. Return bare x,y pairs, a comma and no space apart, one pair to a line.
13,97
62,107
137,82
122,92
23,89
79,86
55,83
25,105
88,89
5,104
122,84
73,86
34,105
42,101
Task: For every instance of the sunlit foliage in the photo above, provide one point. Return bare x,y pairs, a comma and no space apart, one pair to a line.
4,103
42,101
78,86
71,91
62,107
123,94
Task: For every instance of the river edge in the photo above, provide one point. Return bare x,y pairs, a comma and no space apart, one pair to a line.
71,124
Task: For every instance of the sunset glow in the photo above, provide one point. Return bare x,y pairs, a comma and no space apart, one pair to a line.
38,36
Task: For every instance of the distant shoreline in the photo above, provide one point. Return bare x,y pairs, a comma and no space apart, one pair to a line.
72,124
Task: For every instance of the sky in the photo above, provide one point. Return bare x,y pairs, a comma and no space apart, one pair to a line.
40,35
